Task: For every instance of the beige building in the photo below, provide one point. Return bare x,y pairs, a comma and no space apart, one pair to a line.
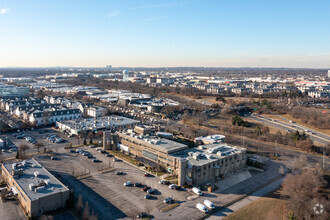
194,166
37,190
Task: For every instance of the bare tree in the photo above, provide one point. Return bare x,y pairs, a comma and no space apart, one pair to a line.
22,148
39,145
79,204
86,212
303,189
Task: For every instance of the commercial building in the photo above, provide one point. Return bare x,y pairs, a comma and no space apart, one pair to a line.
37,190
95,124
208,163
153,148
197,166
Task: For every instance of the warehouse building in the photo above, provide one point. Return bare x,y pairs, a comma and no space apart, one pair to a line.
37,190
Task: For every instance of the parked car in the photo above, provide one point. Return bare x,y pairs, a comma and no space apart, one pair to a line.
147,174
164,182
202,207
96,161
142,215
197,191
128,183
147,196
172,186
169,200
118,173
151,191
115,159
137,184
209,204
146,188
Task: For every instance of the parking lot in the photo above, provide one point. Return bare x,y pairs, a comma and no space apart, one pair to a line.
105,192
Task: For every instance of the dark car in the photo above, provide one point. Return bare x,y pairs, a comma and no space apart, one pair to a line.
96,161
146,188
142,215
137,184
109,155
147,174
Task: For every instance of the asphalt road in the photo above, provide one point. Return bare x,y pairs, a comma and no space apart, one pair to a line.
288,127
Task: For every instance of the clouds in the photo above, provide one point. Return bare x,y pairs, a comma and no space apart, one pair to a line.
4,11
114,14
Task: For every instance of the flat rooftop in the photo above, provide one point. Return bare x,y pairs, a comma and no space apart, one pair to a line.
99,123
205,154
30,166
159,143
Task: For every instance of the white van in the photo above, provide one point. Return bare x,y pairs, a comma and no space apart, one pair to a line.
209,204
197,191
202,208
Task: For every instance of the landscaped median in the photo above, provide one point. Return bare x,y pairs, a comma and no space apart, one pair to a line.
169,207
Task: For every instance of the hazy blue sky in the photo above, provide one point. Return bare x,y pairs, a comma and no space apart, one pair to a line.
233,33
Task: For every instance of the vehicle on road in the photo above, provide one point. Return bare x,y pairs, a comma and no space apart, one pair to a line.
209,204
202,207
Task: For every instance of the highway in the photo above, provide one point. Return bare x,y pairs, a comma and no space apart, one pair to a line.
289,127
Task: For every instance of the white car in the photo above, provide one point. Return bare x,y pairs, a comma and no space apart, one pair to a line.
128,183
172,186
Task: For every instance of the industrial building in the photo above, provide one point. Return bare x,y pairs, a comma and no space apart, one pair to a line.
37,190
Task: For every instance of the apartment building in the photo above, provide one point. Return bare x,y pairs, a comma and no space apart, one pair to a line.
37,190
53,115
96,111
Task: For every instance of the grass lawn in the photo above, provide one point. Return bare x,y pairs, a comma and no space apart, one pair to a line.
265,208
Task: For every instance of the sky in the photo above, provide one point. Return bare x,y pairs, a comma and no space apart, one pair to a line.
165,33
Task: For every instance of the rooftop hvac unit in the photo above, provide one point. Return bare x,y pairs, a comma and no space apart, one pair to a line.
47,182
31,186
39,189
36,174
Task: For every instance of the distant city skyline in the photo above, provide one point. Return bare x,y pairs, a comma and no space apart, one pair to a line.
165,33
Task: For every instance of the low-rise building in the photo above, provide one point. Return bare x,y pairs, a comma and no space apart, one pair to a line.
208,163
113,122
37,190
